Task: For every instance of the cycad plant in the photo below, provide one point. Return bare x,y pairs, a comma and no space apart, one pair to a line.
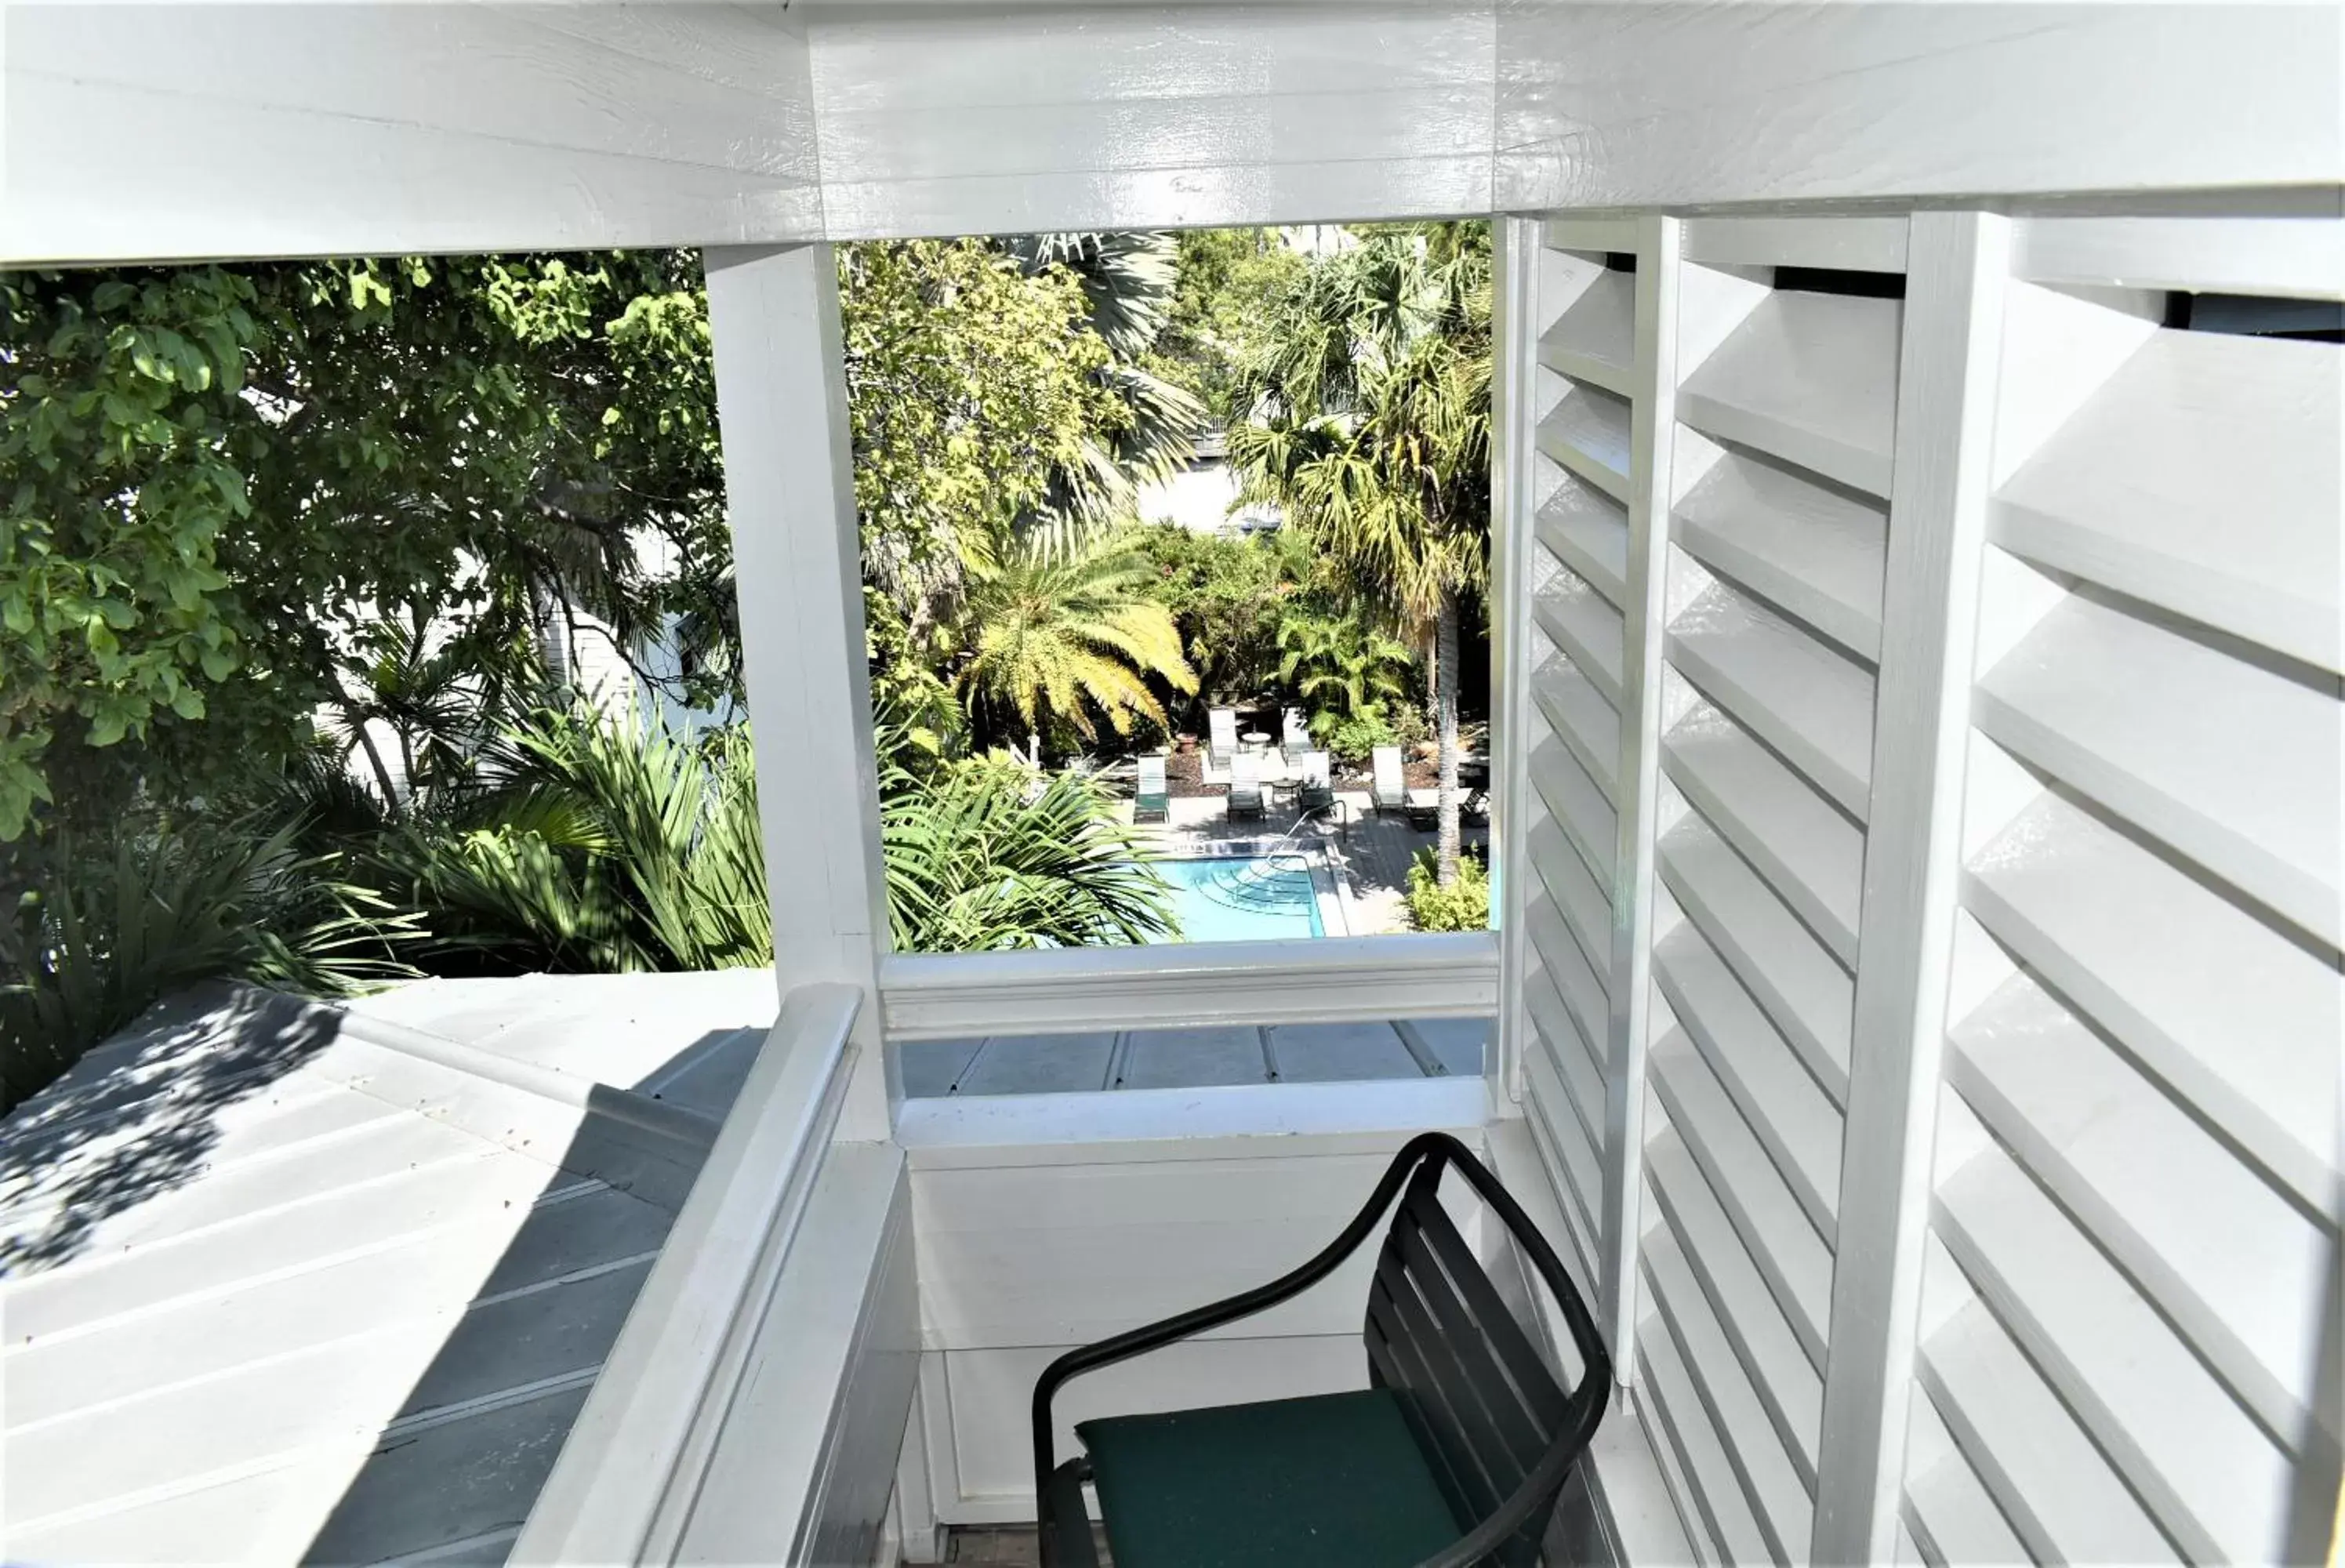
1368,423
1070,633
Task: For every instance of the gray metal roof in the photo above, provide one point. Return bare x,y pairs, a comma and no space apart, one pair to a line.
280,1282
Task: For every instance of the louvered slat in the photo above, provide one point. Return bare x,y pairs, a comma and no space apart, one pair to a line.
1580,717
1803,986
1811,704
1595,338
1717,1501
1585,626
1569,1154
1576,1062
1575,802
1953,1516
1561,957
1588,432
1585,911
1811,379
1809,853
1587,530
2234,765
2204,478
1814,550
1784,1106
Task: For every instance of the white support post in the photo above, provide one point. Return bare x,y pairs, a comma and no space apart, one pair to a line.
1652,433
1513,418
781,399
1958,264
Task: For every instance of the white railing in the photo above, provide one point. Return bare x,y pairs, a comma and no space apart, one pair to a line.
686,1444
1321,980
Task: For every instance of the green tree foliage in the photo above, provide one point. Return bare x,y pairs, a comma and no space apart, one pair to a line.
1368,422
1342,664
1229,279
1228,595
1069,631
211,474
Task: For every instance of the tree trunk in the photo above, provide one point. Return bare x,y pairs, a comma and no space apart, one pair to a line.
382,772
1444,714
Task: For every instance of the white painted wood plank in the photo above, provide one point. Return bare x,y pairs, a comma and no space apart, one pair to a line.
2233,1263
1587,530
2301,257
1785,1107
1580,717
1587,627
1715,1499
1585,911
2237,1022
1582,1176
1777,1498
2212,1478
1781,1240
1594,339
1589,236
1701,1547
1811,379
1787,1382
2204,477
1811,855
1812,551
1811,705
2049,1479
1834,243
1610,105
1953,1518
1793,976
2235,765
1588,432
1561,957
1574,801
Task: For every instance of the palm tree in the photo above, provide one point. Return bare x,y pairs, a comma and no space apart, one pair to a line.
1369,425
1346,666
1069,630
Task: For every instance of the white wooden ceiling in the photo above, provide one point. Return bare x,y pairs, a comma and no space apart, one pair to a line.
243,128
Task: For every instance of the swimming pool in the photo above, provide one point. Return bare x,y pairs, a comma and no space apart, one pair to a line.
1247,897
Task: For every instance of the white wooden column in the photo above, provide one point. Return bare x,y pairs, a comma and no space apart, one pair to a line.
1958,264
1651,451
781,399
1514,415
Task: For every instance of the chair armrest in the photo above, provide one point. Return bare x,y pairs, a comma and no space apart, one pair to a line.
1064,1524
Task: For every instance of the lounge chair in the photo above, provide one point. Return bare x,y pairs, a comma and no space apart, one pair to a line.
1455,1452
1314,791
1149,799
1294,735
1385,791
1222,731
1245,784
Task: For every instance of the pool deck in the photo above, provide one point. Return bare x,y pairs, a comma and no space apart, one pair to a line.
1370,852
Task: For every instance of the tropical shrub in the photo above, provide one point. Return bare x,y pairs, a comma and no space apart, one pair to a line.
1463,905
1353,740
1340,665
98,935
982,854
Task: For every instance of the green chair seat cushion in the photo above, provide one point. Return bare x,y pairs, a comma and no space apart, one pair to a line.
1335,1479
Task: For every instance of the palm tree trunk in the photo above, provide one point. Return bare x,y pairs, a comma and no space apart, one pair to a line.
1444,706
382,772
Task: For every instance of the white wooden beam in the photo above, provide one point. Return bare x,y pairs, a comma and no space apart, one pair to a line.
1514,417
1653,444
1949,362
781,399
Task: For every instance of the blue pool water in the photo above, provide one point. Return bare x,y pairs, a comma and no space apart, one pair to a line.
1235,899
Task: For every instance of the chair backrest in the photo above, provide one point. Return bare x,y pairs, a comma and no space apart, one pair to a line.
1246,774
1478,1398
1387,761
1151,775
1314,768
1293,733
1222,728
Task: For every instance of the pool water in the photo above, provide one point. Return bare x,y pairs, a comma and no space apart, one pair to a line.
1243,898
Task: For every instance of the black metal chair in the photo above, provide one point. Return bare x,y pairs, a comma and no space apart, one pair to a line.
1454,1455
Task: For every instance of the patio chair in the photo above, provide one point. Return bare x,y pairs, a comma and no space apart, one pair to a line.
1294,735
1385,791
1314,790
1221,734
1245,784
1149,799
1422,806
1454,1455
